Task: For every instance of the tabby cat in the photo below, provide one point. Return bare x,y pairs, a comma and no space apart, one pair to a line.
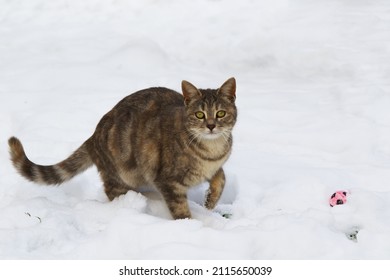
154,137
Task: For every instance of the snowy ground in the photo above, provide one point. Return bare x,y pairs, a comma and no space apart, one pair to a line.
314,117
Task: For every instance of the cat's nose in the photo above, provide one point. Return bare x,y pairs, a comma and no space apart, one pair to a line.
211,126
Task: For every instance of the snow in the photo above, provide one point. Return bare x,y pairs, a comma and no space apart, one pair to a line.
313,92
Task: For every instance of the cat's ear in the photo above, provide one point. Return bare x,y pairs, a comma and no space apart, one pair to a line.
228,89
190,92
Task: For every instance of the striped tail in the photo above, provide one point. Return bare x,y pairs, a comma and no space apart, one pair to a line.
49,174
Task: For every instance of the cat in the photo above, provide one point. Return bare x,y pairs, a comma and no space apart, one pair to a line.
156,137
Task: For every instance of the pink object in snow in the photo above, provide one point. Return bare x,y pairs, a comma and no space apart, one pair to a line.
339,197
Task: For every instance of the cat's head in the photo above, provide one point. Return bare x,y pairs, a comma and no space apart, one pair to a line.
211,113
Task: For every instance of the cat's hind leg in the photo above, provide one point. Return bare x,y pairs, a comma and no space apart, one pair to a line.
114,186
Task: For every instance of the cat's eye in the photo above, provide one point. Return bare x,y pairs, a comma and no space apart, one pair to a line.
221,114
199,115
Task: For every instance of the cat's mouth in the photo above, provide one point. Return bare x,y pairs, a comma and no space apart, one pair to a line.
211,134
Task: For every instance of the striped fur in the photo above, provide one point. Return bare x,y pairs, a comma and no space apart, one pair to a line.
153,137
78,162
